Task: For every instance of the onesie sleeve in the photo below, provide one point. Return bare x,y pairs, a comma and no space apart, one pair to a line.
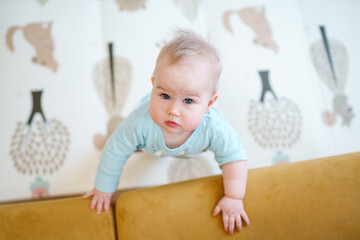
118,148
226,144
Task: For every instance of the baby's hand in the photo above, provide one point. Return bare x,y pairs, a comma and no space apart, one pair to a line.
99,199
232,212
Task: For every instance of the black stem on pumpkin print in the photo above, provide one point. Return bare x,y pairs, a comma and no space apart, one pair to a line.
327,48
112,77
36,99
265,85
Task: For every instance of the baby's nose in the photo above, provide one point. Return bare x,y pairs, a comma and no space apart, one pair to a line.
174,110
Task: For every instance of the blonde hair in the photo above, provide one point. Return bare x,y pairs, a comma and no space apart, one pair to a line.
189,45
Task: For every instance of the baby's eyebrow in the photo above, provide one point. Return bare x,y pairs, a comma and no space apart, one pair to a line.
182,92
191,93
162,89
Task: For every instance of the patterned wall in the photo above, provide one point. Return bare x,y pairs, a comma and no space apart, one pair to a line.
289,84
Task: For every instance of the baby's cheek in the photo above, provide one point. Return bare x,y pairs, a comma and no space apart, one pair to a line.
154,114
193,122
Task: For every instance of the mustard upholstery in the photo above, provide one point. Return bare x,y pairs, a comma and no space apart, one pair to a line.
55,219
316,199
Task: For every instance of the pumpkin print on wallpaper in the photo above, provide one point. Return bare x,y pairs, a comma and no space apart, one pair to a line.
274,122
331,62
39,146
112,78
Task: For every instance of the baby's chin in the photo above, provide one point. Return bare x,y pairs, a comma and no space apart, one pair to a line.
176,131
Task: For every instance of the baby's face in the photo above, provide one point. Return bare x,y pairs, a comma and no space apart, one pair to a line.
182,93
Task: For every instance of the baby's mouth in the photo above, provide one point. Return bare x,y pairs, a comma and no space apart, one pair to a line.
171,124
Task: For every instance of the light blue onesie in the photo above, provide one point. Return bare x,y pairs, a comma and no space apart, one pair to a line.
139,131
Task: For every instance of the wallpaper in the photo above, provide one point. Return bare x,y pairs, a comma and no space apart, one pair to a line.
289,84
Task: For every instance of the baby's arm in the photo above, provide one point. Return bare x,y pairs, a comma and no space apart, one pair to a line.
99,200
231,205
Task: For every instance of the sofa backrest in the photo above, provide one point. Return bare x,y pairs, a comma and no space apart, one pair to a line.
55,219
316,199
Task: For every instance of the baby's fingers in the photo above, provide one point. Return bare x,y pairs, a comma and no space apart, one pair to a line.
226,222
106,205
238,222
231,224
99,205
88,194
93,202
245,217
216,211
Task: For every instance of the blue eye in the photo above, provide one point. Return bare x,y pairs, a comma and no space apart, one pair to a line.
188,101
165,96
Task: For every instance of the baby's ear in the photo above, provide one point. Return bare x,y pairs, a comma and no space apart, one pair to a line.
212,101
152,80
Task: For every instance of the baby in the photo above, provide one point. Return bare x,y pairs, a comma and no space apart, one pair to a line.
178,119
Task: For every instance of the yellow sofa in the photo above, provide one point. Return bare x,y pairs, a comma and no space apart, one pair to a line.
315,199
